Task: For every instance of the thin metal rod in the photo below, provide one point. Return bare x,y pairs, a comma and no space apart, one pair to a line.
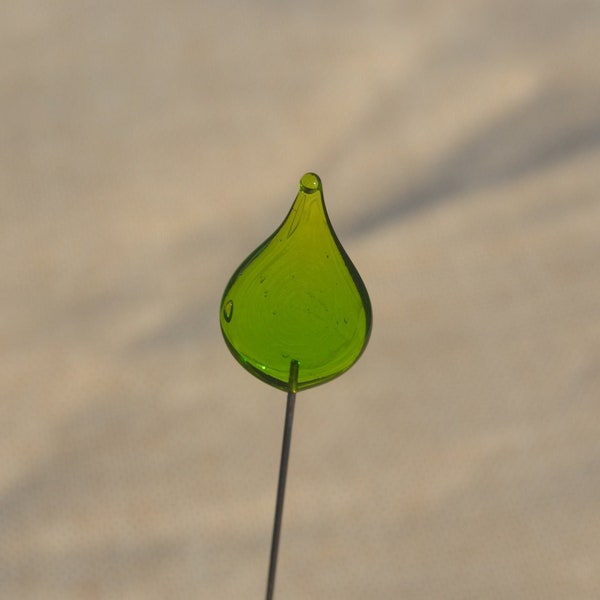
283,467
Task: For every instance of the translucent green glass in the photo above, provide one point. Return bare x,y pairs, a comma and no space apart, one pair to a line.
297,298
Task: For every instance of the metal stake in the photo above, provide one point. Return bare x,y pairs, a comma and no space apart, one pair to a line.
283,466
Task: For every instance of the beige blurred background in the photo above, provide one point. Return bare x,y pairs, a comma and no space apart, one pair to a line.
147,147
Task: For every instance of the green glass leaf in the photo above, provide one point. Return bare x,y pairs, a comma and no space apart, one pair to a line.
297,298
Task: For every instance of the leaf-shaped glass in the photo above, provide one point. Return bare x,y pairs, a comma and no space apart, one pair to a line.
297,299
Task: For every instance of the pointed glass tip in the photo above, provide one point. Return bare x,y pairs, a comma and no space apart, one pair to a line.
310,183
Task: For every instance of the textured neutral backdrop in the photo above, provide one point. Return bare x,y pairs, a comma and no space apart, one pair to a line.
147,147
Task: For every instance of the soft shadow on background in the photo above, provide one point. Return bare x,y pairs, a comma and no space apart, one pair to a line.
146,148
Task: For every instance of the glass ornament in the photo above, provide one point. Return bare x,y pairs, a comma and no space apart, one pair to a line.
297,303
